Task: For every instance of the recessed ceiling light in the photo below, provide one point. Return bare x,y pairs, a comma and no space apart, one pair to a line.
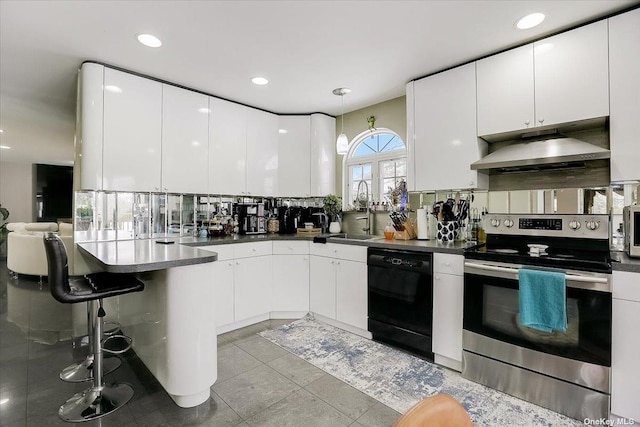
203,110
282,131
1,131
113,88
149,40
3,401
530,21
5,147
259,81
195,143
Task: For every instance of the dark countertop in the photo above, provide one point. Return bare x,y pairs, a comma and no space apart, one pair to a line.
371,241
620,261
136,256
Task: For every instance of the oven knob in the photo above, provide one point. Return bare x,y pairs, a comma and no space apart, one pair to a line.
508,223
574,224
495,222
593,225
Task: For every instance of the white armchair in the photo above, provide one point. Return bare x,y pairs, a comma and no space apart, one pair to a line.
25,249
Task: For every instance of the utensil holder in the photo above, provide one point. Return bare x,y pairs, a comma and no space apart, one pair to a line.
447,231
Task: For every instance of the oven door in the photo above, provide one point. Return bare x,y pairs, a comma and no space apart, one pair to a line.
491,309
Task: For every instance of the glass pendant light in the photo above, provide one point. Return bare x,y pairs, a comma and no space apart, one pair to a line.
342,143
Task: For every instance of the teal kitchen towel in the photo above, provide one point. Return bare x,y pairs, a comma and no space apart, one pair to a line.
543,302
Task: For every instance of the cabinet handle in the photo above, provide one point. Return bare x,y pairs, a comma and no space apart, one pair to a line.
541,120
448,264
165,189
157,188
338,262
333,262
230,264
237,262
527,122
305,258
254,249
471,183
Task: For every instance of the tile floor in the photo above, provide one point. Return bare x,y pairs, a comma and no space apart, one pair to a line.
259,384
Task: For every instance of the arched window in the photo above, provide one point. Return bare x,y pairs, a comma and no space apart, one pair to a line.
379,158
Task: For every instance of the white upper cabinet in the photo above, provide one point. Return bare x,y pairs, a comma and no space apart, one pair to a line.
87,172
505,91
556,80
132,145
227,147
624,74
294,179
323,155
185,140
445,141
262,153
572,75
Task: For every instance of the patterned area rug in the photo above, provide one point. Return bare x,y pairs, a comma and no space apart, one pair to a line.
400,380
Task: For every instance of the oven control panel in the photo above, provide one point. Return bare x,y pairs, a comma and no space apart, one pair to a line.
540,223
560,225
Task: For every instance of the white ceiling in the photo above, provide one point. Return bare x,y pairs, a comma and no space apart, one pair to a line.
305,48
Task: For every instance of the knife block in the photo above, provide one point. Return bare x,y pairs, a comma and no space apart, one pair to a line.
401,235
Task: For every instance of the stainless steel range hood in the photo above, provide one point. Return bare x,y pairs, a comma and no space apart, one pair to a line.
539,154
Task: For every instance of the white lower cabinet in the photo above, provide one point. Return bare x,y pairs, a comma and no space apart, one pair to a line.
290,276
625,345
351,293
322,286
338,283
448,290
223,282
243,280
253,284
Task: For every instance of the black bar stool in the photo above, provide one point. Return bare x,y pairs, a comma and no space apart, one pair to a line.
83,371
100,399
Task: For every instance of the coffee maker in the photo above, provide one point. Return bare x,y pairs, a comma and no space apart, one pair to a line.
290,219
251,218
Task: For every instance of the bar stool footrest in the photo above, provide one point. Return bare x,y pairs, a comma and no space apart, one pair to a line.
116,336
83,371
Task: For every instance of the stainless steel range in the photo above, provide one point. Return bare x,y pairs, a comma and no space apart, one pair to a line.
565,371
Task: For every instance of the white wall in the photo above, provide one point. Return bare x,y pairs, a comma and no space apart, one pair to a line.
16,190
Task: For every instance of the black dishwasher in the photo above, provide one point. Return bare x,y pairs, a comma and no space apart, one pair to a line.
401,299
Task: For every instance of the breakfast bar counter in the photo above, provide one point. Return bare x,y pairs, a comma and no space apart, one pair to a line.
135,256
172,322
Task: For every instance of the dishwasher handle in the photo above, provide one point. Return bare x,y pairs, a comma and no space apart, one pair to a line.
393,261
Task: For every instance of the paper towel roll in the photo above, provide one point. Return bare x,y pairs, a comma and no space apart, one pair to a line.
423,224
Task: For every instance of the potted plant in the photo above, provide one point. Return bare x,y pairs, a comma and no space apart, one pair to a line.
333,207
4,213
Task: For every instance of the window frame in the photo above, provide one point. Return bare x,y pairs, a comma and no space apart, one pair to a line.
373,159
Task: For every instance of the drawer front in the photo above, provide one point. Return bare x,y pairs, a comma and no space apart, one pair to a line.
290,247
448,264
323,249
224,251
626,285
246,250
351,252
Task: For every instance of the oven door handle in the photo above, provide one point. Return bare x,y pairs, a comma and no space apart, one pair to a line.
568,277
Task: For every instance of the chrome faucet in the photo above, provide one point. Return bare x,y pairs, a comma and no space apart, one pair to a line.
367,218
